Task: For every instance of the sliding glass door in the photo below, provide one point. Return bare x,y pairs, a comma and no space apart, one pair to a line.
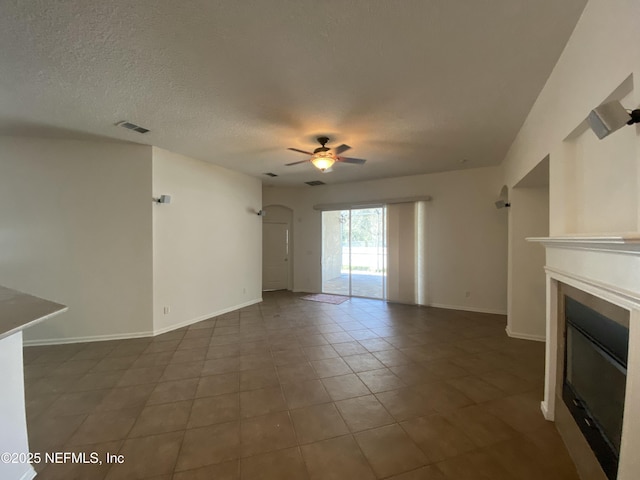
354,252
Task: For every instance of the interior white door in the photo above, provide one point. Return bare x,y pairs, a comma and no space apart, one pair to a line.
275,256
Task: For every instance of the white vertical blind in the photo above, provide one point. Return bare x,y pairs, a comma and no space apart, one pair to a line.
406,230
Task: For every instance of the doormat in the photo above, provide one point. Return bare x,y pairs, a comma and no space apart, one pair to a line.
324,298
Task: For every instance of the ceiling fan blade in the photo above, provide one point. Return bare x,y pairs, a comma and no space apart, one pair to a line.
300,151
295,163
357,161
341,148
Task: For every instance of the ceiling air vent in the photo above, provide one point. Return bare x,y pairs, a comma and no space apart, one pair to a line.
133,126
270,174
315,183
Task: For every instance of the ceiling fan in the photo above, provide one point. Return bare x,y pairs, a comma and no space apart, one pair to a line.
323,158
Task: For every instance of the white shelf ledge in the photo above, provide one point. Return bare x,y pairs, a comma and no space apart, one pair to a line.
616,242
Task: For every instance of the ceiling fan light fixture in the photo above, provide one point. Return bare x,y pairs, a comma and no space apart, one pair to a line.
323,160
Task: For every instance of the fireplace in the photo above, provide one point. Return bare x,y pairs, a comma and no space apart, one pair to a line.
595,372
602,275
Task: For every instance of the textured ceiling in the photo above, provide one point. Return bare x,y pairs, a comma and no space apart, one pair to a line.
414,86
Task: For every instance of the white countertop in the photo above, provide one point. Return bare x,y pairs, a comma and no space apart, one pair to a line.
20,310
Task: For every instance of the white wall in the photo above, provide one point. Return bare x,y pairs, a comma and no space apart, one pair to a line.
13,419
597,63
528,217
207,243
601,54
76,228
466,235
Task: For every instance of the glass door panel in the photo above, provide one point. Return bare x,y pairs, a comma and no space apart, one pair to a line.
368,252
354,252
335,243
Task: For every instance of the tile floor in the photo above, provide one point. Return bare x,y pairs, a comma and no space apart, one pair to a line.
290,389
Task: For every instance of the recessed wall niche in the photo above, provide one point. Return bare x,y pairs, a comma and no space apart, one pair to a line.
601,176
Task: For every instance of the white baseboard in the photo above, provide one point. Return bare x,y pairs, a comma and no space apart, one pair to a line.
525,336
545,411
128,336
30,474
186,323
494,311
91,338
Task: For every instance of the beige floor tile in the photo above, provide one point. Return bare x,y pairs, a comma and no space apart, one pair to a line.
278,465
338,337
381,380
437,438
521,412
445,369
413,374
209,445
336,458
217,366
168,392
156,419
103,427
345,386
222,351
147,456
288,357
189,355
77,403
330,367
430,472
180,371
473,466
211,385
140,376
222,471
262,401
480,426
153,359
442,397
126,398
392,357
317,422
259,378
304,394
254,361
350,347
507,382
96,381
476,389
296,372
49,432
363,362
210,410
267,433
390,450
484,386
404,403
362,413
320,352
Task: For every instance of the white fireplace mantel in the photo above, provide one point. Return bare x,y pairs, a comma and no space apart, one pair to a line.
608,267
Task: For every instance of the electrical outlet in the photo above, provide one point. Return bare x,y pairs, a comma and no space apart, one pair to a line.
244,290
166,310
467,294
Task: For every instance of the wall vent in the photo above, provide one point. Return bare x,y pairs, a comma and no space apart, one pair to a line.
269,174
315,183
132,126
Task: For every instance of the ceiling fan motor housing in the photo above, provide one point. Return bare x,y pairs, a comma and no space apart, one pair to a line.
322,141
